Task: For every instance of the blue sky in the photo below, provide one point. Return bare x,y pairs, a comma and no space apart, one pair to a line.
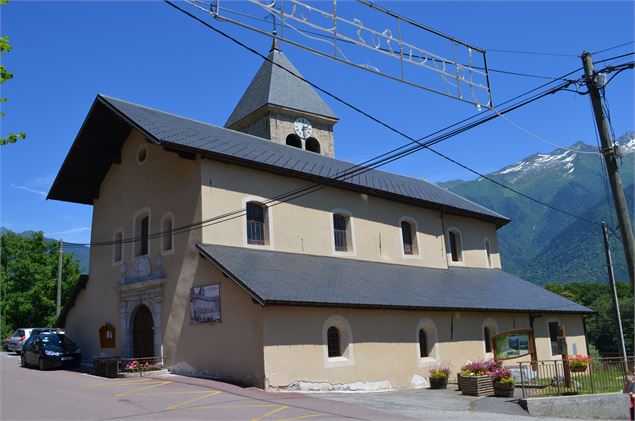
64,53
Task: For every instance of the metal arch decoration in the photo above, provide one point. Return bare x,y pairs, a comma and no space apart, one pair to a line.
395,55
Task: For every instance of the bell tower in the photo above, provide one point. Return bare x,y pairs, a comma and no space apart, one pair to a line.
284,109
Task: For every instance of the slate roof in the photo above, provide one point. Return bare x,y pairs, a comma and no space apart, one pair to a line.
274,85
272,277
99,142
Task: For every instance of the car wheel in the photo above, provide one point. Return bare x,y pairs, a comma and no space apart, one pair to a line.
41,364
23,361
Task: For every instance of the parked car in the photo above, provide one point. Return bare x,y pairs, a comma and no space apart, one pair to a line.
49,350
17,339
5,343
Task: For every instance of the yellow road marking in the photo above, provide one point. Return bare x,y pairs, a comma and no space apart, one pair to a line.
303,416
182,404
173,393
121,383
216,406
130,392
282,408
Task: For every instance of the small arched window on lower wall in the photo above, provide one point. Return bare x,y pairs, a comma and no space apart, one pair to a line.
333,341
427,342
490,328
312,145
294,140
338,342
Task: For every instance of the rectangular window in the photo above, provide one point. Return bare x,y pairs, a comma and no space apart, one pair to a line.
255,224
167,234
553,336
340,228
406,235
144,235
118,247
454,247
423,344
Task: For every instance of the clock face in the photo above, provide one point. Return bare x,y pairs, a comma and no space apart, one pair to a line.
302,127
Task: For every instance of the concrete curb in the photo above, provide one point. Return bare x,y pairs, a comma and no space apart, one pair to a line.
607,406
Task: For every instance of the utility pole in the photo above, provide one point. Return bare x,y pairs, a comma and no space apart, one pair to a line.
616,303
608,151
59,278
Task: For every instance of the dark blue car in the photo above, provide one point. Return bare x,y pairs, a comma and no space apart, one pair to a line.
49,350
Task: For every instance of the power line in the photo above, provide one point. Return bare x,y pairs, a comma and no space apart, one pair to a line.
536,53
612,48
385,158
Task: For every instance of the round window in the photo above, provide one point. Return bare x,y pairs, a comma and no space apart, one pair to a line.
142,154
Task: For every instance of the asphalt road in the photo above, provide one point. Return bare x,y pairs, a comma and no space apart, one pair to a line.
60,394
30,394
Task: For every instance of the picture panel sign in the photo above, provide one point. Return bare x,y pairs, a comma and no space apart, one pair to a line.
513,344
205,304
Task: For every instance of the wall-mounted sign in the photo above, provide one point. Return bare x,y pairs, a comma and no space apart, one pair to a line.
205,304
513,344
107,336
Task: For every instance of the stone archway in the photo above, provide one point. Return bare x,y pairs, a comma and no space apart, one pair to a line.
143,333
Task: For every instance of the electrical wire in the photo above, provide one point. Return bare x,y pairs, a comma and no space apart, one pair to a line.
613,48
386,158
542,139
537,53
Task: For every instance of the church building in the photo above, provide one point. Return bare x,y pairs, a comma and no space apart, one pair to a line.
251,253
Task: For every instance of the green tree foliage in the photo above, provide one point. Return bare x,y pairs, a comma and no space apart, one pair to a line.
28,280
5,75
601,328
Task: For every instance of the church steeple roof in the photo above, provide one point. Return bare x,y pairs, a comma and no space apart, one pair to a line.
273,85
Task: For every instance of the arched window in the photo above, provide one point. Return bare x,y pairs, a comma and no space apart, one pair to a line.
488,252
553,325
489,329
427,339
342,232
424,351
167,234
409,238
333,342
487,337
257,224
312,145
142,232
294,140
117,252
454,238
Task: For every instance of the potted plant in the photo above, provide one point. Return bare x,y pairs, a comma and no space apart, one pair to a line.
503,383
475,379
439,378
579,363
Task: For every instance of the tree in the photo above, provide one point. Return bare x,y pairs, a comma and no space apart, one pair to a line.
5,75
28,280
601,326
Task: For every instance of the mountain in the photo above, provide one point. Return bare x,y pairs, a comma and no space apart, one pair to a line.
573,179
81,253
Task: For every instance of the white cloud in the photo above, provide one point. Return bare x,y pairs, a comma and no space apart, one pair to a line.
69,231
30,190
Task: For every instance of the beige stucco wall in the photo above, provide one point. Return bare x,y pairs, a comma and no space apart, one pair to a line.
232,348
304,225
384,343
163,183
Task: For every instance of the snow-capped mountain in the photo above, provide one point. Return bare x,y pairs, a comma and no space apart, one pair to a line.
567,178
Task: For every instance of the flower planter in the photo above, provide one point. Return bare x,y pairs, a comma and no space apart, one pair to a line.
477,386
578,369
437,383
458,380
504,390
